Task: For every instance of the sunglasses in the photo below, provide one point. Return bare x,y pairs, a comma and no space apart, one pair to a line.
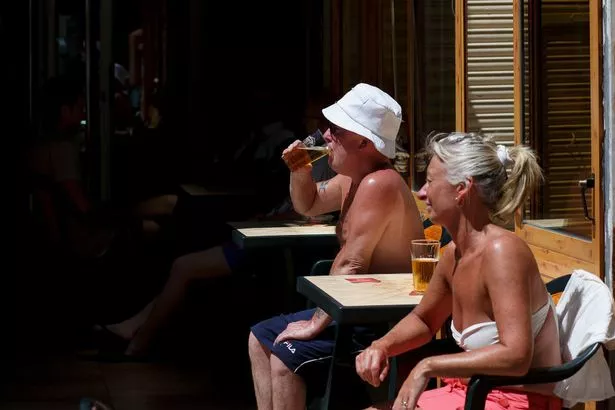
334,129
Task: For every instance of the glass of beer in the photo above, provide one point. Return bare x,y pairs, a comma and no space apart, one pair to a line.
299,157
425,255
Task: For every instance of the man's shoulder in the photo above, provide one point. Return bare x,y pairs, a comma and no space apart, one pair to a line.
381,187
382,179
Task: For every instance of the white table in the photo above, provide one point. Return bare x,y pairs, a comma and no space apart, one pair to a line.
386,300
259,234
286,235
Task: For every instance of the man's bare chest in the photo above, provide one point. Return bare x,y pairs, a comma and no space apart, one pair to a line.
343,226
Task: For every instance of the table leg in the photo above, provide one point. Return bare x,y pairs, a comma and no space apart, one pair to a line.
392,394
343,339
290,278
393,379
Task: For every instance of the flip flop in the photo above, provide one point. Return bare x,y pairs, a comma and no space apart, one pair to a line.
92,404
120,357
108,340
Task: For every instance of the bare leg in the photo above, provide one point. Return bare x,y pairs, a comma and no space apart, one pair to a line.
288,389
261,372
205,264
157,206
149,227
128,328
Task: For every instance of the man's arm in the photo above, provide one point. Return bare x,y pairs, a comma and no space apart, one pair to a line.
372,210
312,199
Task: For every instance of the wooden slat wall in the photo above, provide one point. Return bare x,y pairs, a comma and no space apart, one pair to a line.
366,43
394,67
434,78
375,50
436,67
489,56
351,44
566,114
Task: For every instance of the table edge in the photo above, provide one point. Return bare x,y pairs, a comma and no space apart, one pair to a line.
308,289
350,314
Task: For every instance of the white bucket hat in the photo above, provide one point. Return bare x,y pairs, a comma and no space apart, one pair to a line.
369,112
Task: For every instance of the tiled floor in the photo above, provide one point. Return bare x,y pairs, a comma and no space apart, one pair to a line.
206,364
59,382
43,372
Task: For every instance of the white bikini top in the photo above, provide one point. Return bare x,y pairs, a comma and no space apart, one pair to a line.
486,333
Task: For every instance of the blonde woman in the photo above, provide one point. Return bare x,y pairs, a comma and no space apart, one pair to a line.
488,280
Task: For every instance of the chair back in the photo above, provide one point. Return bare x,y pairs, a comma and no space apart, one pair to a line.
557,285
480,385
438,232
321,267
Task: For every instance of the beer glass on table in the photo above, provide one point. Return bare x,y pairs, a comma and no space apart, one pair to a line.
425,256
302,156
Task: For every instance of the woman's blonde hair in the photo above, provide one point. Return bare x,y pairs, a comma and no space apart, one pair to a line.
504,176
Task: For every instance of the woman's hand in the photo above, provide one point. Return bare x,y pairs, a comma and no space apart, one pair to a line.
372,365
413,387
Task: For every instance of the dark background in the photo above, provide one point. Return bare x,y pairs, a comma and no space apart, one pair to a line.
231,67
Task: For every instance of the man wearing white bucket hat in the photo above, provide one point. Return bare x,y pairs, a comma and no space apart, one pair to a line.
378,220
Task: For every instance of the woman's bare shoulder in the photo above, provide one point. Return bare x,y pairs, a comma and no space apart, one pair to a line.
503,246
500,238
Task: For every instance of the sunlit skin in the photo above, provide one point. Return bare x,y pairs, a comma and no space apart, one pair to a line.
488,274
378,219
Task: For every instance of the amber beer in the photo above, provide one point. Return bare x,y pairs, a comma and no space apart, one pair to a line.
299,157
425,255
422,271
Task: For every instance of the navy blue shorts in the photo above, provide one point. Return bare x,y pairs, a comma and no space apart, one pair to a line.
234,256
307,357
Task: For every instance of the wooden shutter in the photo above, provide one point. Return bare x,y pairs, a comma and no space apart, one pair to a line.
489,68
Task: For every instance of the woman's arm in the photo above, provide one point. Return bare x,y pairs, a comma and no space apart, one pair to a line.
413,331
505,270
420,325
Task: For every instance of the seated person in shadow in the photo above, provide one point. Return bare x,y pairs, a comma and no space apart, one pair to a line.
213,262
72,222
378,219
503,319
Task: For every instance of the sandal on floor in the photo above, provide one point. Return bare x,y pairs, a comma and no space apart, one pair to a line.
92,404
120,357
108,340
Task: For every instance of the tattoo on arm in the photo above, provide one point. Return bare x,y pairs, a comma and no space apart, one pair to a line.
319,313
323,186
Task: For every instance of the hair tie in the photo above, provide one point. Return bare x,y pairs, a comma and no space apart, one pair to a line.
504,156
